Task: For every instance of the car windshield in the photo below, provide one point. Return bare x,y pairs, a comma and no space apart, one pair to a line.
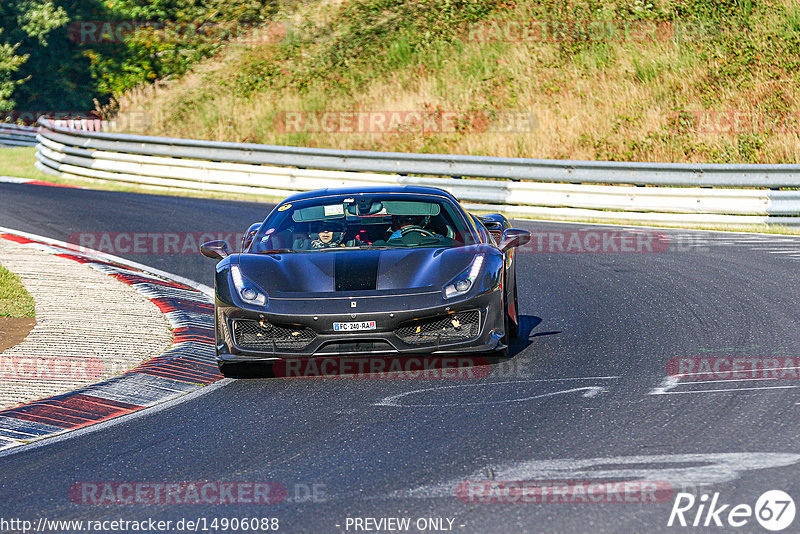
364,221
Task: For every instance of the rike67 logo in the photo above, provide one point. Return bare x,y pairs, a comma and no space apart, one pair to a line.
774,510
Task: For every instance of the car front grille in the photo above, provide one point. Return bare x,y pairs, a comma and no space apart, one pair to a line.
261,335
356,347
442,329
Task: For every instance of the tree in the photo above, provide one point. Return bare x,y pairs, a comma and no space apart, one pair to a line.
9,64
46,66
175,34
25,27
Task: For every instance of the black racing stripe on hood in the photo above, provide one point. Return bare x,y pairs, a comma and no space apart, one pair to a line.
355,272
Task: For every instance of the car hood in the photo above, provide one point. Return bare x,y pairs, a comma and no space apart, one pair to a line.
356,270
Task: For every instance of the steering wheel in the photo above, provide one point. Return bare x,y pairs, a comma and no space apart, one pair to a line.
411,228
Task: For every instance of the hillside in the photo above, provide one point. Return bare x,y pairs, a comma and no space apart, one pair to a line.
680,80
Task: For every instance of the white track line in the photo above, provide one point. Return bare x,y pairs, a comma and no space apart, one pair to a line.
720,390
724,380
15,180
684,375
591,391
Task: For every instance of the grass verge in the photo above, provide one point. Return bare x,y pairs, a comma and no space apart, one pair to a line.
18,162
14,299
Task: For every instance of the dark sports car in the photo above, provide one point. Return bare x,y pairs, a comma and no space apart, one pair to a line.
394,270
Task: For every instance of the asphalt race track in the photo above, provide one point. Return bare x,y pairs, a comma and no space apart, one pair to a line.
585,397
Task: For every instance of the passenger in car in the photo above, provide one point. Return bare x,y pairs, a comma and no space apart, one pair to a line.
330,234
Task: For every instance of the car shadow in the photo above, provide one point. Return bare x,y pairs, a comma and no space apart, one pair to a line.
527,323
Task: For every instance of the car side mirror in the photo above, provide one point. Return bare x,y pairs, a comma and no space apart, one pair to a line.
513,238
216,250
248,236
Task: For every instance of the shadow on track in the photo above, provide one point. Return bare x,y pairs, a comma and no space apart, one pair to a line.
518,345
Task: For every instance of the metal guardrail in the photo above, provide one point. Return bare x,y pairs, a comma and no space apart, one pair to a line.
90,125
680,193
14,135
18,135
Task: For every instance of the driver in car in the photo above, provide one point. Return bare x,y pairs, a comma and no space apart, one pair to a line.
331,234
402,224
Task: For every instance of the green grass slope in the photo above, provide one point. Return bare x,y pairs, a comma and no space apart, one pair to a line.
639,80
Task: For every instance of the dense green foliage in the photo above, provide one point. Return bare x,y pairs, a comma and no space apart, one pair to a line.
183,31
25,26
50,61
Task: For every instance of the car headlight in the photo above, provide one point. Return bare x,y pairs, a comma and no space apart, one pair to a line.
464,282
246,289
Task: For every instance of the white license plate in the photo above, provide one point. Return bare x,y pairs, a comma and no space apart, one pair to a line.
349,327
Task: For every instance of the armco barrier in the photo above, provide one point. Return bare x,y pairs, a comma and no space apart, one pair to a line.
18,135
13,135
674,193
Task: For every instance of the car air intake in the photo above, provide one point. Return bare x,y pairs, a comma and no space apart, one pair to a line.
354,347
442,329
261,335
